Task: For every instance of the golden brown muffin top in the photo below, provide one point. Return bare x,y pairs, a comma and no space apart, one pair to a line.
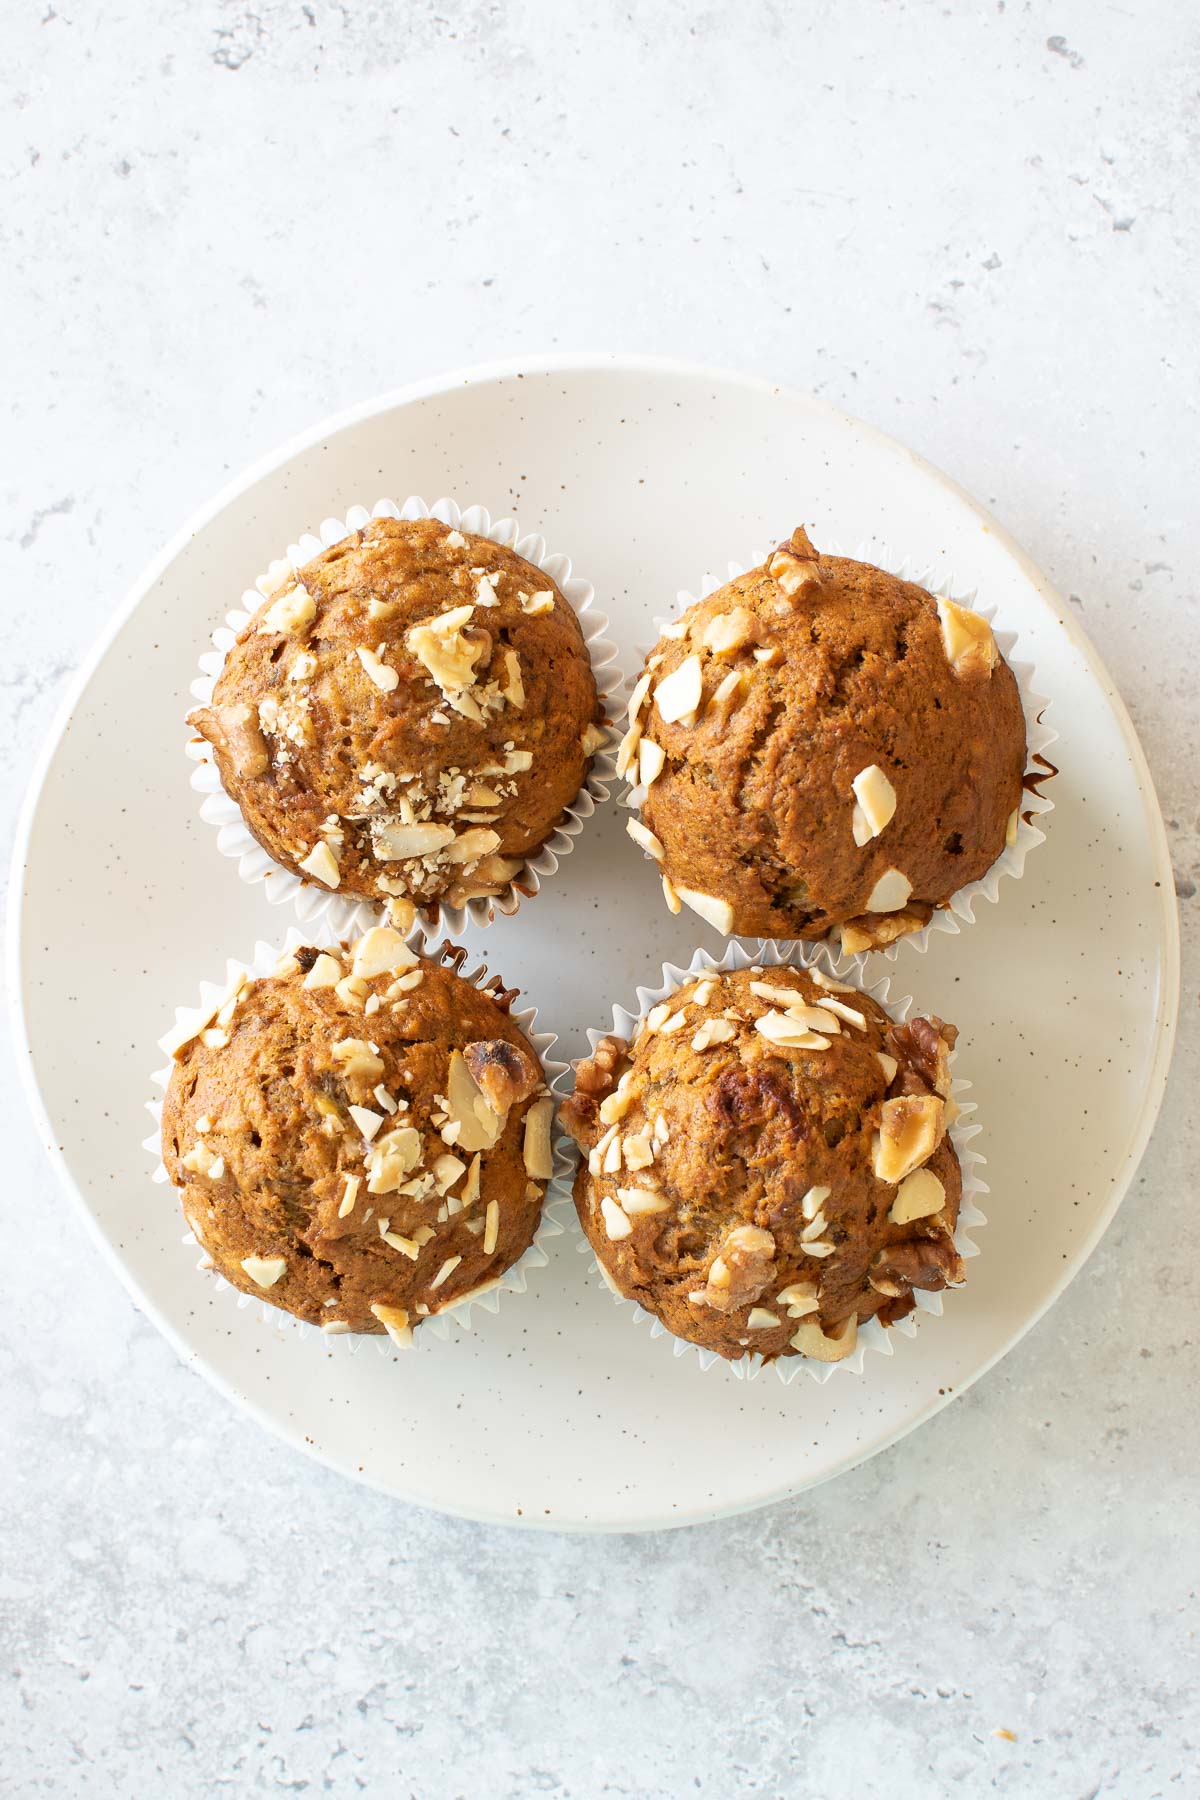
820,745
361,1138
406,716
767,1164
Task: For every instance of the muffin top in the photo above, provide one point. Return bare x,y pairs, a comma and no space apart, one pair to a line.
406,716
820,745
361,1138
767,1165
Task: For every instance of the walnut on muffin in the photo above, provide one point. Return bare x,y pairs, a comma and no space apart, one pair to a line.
406,717
360,1138
767,1165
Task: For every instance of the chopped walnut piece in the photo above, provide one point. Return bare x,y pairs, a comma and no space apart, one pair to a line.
795,565
923,1046
743,1268
728,631
385,678
595,1079
872,931
504,1073
929,1263
234,731
290,613
451,652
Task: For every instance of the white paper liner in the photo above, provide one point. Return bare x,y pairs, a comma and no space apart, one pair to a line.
349,915
872,1336
960,908
557,1204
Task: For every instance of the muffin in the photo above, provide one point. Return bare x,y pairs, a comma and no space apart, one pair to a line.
361,1138
406,717
767,1164
821,747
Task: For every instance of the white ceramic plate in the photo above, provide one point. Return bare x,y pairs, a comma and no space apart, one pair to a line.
558,1412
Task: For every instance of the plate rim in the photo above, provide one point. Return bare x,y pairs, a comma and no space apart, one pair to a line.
489,373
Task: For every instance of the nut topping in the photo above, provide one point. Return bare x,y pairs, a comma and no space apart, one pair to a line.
290,613
539,1160
641,834
967,640
715,912
381,951
928,1263
831,1346
651,757
322,864
385,678
910,1129
727,632
743,1268
678,694
504,1074
918,1196
876,806
265,1271
891,892
394,1320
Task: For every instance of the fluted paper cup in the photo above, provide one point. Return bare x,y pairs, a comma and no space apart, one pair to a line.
557,1204
959,909
349,915
874,1339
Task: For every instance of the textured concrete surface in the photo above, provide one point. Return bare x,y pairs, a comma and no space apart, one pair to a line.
973,225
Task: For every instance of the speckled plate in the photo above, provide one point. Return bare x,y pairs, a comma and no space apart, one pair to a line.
554,1413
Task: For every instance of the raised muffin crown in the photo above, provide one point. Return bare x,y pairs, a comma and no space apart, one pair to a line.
820,746
362,1137
407,716
767,1163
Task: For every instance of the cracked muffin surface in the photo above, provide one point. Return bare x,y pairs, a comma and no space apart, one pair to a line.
822,747
406,717
360,1138
767,1165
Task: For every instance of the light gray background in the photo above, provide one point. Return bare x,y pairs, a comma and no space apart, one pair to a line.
973,225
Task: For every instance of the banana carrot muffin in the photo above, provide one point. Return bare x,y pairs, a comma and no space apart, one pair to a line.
406,717
361,1138
767,1164
822,747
